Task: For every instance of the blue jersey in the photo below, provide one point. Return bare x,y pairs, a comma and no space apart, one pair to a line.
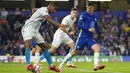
85,38
87,21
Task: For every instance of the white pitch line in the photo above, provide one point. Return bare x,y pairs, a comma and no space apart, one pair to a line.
84,70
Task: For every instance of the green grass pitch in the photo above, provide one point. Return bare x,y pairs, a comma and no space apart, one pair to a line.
83,67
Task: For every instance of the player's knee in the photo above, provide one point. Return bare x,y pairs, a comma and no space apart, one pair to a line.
71,45
52,51
96,48
73,52
28,43
43,46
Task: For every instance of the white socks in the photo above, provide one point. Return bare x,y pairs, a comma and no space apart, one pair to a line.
36,60
96,60
65,59
30,53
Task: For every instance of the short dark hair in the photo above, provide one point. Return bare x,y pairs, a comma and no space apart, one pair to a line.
74,9
53,4
90,4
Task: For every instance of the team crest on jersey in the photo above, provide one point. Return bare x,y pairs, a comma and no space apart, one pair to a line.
95,19
92,24
80,17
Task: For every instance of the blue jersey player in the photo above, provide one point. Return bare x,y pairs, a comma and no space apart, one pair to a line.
88,26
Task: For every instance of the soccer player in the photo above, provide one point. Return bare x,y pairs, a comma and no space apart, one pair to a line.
88,26
30,32
63,36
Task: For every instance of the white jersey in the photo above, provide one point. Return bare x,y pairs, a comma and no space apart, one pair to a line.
36,19
68,21
60,36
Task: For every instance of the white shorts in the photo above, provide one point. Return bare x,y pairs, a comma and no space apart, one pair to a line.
59,38
32,34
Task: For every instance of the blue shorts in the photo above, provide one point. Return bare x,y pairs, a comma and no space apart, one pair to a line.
33,43
81,43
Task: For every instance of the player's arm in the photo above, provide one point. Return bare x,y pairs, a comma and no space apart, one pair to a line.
49,19
73,29
81,22
69,33
34,10
97,29
64,22
64,29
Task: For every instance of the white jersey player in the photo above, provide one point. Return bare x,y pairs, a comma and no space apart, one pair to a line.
31,28
32,25
62,35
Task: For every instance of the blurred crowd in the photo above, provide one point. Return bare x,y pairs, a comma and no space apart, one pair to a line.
114,41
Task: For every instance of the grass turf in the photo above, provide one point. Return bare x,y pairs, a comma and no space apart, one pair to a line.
83,67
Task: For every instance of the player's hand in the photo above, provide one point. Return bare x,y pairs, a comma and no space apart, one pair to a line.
103,36
92,29
71,33
64,29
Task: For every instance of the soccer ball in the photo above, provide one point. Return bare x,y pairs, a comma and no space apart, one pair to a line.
37,68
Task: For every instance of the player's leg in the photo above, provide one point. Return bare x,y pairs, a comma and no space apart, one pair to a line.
66,58
56,43
70,43
33,51
50,51
33,47
27,36
47,54
27,53
69,62
40,46
78,46
41,57
37,54
96,48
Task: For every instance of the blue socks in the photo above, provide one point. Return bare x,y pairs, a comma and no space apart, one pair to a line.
27,53
70,59
42,57
47,55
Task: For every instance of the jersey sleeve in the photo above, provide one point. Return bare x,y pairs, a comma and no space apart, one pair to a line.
64,21
81,22
44,11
